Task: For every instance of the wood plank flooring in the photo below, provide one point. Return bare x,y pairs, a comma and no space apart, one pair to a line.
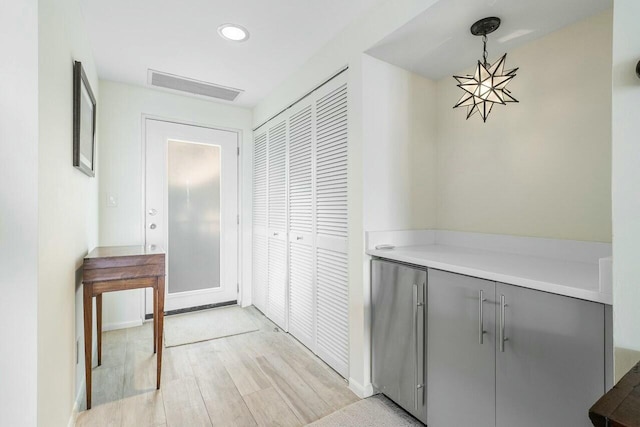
262,378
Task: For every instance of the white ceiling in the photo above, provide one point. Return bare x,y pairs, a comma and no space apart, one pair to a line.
438,42
129,37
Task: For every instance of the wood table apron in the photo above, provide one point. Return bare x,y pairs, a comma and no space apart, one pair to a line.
117,268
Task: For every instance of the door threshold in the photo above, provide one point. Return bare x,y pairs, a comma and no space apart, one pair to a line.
190,309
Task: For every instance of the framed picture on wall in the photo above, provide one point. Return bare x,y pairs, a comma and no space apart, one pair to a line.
84,122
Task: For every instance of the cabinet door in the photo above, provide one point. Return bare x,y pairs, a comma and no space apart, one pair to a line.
397,324
460,359
277,246
552,367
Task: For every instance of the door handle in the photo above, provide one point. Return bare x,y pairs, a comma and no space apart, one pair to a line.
276,234
503,338
298,237
152,226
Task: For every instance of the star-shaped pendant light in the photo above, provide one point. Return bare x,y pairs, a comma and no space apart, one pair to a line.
487,86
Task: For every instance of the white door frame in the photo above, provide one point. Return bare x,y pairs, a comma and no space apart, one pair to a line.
143,219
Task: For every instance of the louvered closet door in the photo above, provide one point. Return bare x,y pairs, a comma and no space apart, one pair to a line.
260,214
277,220
332,293
301,247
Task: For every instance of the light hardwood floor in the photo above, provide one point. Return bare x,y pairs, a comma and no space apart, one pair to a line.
262,378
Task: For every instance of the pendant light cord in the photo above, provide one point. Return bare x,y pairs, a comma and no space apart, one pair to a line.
484,54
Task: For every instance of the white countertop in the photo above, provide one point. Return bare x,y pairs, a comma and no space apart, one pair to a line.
570,278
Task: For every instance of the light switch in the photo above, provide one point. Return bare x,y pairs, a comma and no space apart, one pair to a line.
112,200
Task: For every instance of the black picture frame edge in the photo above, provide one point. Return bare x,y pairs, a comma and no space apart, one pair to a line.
79,78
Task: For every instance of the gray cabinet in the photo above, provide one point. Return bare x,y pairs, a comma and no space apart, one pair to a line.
541,361
460,359
552,368
398,334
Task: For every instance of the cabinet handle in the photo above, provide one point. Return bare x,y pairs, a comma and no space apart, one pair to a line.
298,237
481,331
415,341
276,234
416,305
502,321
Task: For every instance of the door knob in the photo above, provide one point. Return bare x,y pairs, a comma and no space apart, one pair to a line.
152,212
152,226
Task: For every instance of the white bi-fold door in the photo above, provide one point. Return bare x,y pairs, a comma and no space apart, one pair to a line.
277,230
270,221
331,213
302,301
260,221
300,264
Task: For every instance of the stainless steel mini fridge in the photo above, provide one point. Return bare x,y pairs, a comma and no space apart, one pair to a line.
398,328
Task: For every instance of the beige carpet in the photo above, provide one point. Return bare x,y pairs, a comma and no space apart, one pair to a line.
206,325
376,411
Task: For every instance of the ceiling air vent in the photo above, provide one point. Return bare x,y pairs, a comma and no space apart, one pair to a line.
195,87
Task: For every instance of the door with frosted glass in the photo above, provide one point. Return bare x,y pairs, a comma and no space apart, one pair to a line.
191,211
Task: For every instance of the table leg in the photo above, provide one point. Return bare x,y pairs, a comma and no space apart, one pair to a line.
155,318
99,326
160,344
88,314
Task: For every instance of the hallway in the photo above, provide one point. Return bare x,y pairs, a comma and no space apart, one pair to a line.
259,378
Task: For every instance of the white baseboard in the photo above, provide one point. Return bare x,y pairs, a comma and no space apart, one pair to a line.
73,417
75,411
362,391
76,406
121,325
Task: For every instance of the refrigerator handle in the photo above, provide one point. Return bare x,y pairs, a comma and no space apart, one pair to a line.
416,305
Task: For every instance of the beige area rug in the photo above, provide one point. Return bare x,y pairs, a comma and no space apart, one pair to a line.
376,411
206,325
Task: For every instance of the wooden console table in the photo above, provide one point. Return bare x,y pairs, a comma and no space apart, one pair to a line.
620,406
117,268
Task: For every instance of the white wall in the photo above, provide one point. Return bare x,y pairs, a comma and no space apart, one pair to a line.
18,212
121,110
399,157
68,210
626,183
541,167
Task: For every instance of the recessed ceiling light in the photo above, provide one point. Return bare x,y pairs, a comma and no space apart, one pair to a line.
233,32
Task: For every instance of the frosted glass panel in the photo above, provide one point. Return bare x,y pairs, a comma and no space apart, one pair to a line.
194,216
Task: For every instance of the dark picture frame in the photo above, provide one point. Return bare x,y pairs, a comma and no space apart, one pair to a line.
84,122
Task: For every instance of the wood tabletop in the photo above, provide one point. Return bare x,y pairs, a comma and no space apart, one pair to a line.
123,262
620,407
120,251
